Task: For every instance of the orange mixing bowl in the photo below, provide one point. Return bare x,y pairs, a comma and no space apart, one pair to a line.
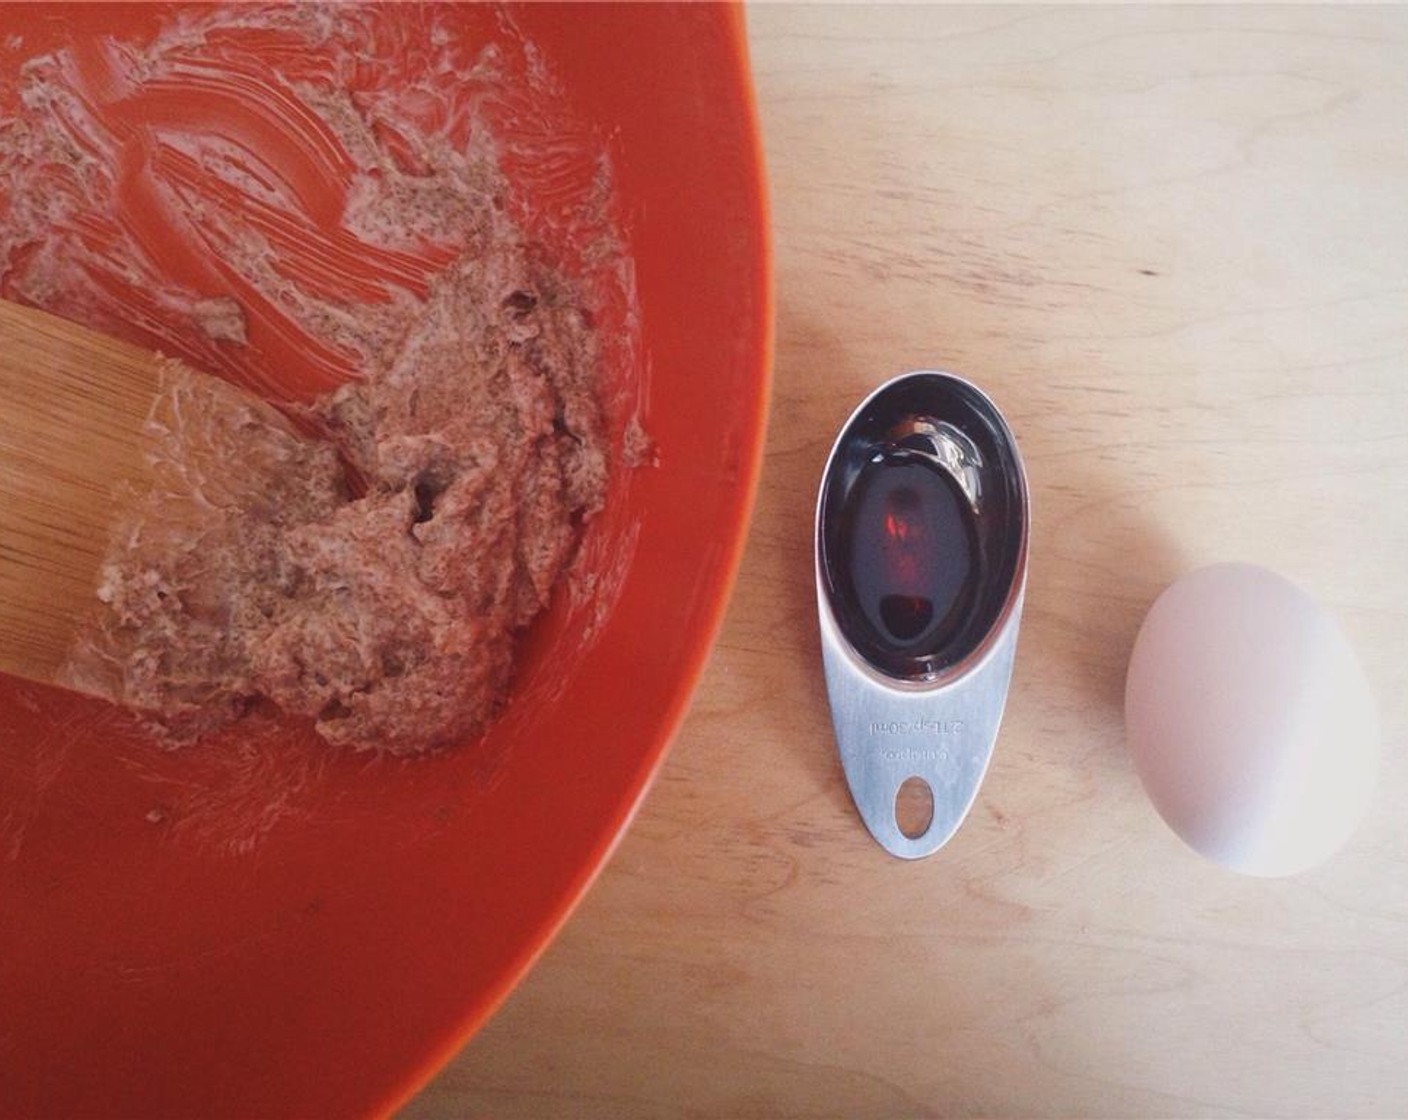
278,928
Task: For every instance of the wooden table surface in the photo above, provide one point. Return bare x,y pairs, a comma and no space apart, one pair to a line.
1172,243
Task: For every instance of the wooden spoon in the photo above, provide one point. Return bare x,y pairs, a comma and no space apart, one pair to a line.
74,406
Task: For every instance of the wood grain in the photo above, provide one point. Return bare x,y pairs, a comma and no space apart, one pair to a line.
72,406
1170,242
96,433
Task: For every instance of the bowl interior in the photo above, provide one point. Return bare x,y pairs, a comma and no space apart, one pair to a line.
266,926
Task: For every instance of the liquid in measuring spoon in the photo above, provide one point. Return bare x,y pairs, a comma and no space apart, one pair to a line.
911,556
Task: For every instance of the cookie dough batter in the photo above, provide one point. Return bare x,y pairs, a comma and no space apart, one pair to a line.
339,196
372,577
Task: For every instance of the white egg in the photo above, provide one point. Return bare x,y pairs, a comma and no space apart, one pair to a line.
1250,720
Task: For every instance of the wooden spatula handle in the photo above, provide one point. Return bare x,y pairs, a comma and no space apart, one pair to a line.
72,408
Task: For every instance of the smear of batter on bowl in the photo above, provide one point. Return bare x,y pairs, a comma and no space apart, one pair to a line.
364,558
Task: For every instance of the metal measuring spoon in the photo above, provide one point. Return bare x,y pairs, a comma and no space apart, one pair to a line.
921,567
